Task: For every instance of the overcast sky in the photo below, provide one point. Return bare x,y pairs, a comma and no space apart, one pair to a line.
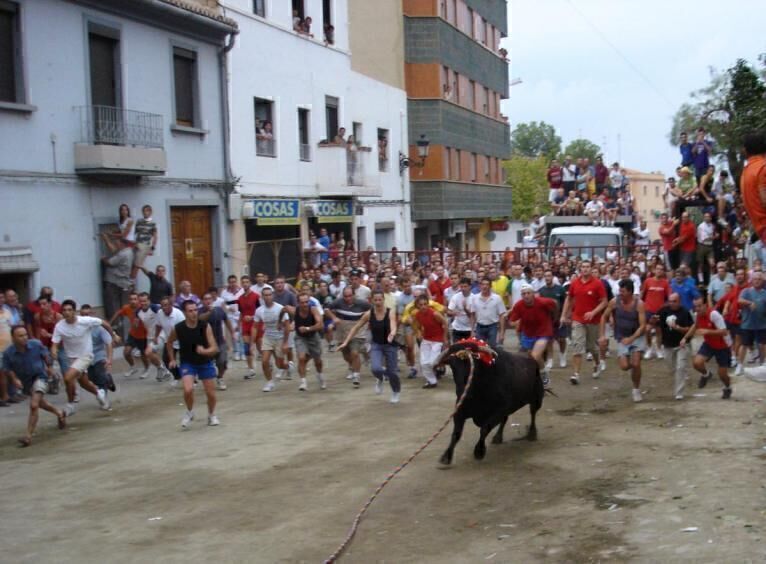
574,80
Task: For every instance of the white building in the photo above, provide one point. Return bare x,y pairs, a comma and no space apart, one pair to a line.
102,103
291,181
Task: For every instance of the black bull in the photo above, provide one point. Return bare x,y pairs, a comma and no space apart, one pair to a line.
497,391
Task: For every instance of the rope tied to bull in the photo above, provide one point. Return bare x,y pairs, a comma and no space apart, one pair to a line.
464,354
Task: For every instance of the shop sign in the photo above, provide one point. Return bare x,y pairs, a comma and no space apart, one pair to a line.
334,211
276,212
499,225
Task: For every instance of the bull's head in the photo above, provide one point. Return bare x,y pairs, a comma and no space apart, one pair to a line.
458,356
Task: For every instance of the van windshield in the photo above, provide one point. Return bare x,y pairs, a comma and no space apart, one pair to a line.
585,245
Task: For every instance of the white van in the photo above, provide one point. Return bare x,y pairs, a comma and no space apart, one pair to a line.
585,242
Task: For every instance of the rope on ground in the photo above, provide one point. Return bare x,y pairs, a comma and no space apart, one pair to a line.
355,524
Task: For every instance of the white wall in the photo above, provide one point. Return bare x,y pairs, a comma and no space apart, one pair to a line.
508,238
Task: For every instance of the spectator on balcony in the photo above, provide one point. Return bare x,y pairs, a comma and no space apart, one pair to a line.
315,250
555,180
264,137
685,148
595,211
329,34
568,175
340,137
616,180
352,150
610,211
601,175
449,94
297,22
701,151
641,235
558,205
582,178
305,27
573,204
383,153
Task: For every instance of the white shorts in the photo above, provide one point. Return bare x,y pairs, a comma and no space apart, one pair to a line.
273,345
81,364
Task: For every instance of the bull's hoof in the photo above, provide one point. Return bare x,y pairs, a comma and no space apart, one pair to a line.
445,459
532,434
497,439
480,451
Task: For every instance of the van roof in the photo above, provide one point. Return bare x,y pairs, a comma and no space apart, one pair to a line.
585,230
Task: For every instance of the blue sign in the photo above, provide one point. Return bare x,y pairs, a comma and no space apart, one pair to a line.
334,211
276,212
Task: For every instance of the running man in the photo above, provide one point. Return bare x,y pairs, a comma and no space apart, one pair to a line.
345,313
166,318
459,309
308,343
28,366
583,307
230,294
197,346
676,321
629,328
148,314
276,335
533,317
555,291
136,336
433,328
217,318
381,321
74,333
717,343
405,298
655,294
247,303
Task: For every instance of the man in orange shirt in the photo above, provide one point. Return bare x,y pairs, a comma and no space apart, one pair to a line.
753,185
686,240
136,335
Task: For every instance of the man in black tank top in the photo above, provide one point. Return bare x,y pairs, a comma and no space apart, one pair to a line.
308,343
197,347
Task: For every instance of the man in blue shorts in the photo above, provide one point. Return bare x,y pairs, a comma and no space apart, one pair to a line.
752,307
717,344
197,348
534,318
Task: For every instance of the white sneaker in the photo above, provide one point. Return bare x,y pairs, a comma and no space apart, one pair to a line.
679,397
187,419
756,373
237,357
637,397
70,409
103,401
130,373
250,374
350,376
213,421
220,384
563,362
290,370
304,386
549,364
174,383
752,356
269,386
589,356
596,372
279,374
574,379
378,386
649,354
394,397
660,354
602,366
739,370
322,382
355,381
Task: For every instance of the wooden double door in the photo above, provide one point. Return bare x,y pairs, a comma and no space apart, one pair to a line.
192,235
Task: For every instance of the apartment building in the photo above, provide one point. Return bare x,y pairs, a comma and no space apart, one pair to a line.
456,75
648,190
302,70
104,103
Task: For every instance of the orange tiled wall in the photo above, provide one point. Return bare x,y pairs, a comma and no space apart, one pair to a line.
421,7
423,80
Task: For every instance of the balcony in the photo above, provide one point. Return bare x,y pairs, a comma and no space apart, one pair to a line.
265,146
440,199
305,150
116,141
347,173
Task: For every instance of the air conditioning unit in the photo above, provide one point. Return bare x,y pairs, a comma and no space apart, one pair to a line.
235,207
310,210
456,226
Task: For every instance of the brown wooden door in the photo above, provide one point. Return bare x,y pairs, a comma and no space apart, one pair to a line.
192,247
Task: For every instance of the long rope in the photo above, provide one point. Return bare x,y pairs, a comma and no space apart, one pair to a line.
355,525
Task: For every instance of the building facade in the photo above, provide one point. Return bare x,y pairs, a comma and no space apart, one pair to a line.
292,89
121,105
648,190
456,76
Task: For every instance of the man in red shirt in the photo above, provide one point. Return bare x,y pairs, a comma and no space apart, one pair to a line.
438,286
136,335
753,184
712,328
728,305
667,234
433,328
555,179
533,317
583,307
686,242
655,294
248,302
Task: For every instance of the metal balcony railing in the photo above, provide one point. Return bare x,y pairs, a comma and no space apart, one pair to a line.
354,168
305,152
107,125
266,147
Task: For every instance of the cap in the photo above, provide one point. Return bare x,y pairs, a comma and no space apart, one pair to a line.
527,287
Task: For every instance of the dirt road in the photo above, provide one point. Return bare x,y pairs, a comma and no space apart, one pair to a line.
281,479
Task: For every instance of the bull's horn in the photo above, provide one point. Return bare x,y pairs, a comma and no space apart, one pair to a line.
488,351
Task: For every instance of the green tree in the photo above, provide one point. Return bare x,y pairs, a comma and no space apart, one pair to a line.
527,179
733,104
535,139
582,148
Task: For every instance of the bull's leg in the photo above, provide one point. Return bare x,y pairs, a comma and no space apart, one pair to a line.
498,438
480,450
532,433
457,431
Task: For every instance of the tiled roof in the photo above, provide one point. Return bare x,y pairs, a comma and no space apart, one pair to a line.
202,11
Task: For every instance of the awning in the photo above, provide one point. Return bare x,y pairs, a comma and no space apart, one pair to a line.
17,259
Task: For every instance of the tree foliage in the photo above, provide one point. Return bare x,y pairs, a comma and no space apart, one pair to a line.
733,104
582,148
535,139
527,178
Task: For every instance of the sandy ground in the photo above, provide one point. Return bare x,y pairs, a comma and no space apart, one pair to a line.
283,476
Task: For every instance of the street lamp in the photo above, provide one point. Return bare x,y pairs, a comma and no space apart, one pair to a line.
406,162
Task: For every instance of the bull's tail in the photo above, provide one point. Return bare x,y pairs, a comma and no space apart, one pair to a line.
549,391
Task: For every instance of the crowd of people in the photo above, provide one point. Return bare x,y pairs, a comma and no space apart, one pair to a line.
374,308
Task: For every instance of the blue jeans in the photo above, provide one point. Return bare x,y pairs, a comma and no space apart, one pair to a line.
388,353
487,333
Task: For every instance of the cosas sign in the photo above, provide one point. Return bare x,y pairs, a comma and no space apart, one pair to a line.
334,211
276,212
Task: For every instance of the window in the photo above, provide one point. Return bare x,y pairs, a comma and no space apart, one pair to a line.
303,135
446,168
383,150
656,191
485,101
469,99
485,165
644,189
327,25
331,116
472,170
265,135
443,9
456,88
299,10
356,128
11,78
482,30
468,28
456,163
185,86
452,11
259,8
